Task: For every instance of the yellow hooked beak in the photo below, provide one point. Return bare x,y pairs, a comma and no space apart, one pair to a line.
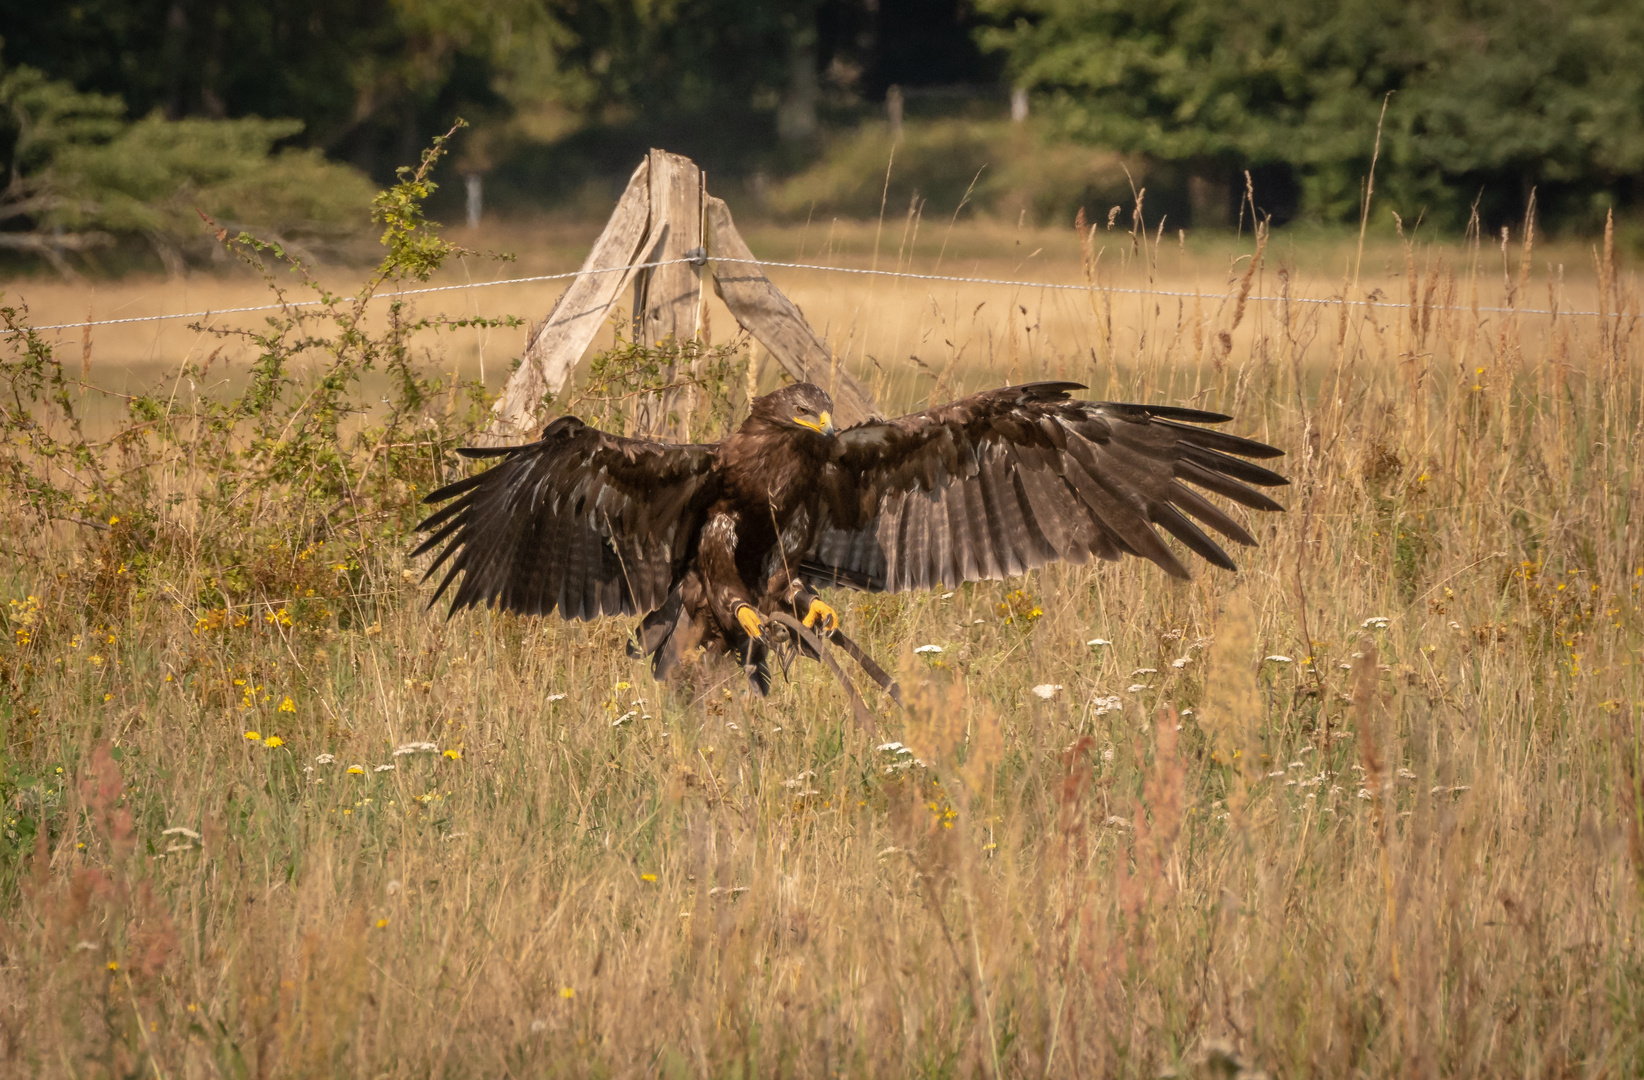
822,424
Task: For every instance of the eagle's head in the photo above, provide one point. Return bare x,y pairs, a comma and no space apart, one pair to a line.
801,405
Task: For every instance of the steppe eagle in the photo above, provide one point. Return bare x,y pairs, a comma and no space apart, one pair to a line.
707,541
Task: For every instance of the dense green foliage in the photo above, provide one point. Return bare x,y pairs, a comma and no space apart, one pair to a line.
1492,95
82,176
1486,100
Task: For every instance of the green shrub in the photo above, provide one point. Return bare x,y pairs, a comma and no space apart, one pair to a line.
996,167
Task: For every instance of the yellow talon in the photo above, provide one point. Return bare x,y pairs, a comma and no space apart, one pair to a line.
750,620
824,614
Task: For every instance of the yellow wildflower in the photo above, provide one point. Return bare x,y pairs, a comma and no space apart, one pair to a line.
273,741
253,736
287,705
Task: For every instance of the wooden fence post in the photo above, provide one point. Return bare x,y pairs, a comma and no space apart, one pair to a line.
666,214
555,345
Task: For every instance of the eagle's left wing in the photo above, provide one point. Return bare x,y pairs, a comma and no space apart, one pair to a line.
583,521
1010,479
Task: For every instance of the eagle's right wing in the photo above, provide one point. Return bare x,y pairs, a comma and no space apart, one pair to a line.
583,521
1010,479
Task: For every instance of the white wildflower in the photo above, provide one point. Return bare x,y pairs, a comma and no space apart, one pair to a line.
1144,671
1097,642
385,768
415,748
1375,622
325,759
625,717
179,830
1278,659
551,699
947,596
1136,688
1105,705
1181,662
890,747
1047,690
928,650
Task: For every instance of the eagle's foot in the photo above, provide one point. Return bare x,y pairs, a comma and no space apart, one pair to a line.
821,613
753,624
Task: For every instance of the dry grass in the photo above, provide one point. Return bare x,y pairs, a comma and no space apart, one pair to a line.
1413,848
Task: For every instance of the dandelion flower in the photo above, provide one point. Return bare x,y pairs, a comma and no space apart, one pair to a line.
382,924
114,965
252,736
647,877
273,742
928,649
454,754
288,705
1046,691
567,993
357,770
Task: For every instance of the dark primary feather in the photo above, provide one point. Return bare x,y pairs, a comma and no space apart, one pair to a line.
1011,479
586,522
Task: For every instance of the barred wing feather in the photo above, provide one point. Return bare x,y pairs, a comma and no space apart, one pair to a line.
582,521
1011,479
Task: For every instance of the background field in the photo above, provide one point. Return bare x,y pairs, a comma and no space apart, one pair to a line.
1370,807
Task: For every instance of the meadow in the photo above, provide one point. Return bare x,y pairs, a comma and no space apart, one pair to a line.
1370,807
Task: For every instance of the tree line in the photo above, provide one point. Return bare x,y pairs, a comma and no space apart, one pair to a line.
1485,100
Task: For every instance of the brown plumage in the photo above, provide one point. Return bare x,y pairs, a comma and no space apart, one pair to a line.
702,539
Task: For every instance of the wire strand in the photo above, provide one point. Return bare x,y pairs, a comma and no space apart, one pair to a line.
1060,286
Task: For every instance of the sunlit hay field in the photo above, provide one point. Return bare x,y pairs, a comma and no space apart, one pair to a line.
1371,807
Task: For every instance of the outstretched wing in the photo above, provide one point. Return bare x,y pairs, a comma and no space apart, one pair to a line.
995,484
590,523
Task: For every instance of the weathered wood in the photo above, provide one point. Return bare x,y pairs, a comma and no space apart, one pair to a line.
556,345
668,299
775,321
